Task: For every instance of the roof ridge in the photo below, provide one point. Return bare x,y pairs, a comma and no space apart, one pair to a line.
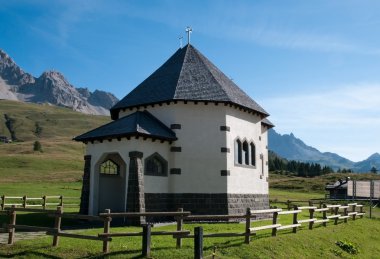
211,72
182,65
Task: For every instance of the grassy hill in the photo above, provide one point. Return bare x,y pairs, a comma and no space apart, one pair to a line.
59,167
58,170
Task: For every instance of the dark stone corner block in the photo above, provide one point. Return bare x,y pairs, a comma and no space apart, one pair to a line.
136,154
224,172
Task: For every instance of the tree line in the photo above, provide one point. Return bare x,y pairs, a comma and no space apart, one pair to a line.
303,169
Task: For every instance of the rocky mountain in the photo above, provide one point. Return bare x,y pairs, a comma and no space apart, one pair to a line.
51,87
292,148
366,165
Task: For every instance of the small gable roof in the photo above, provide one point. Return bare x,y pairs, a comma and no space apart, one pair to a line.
267,123
187,76
140,123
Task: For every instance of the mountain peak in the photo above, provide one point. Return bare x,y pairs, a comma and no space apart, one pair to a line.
51,87
374,156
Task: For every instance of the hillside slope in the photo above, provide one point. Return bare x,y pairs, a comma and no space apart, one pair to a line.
54,127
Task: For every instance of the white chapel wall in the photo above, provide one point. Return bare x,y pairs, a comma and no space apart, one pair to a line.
247,179
201,140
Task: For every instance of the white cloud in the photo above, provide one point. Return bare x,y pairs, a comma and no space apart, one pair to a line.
345,120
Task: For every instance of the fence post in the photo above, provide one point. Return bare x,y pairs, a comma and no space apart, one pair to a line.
44,202
11,229
345,212
24,201
354,210
274,222
57,225
361,211
311,223
288,203
2,202
198,243
146,240
324,215
106,230
179,228
336,211
247,226
61,200
295,221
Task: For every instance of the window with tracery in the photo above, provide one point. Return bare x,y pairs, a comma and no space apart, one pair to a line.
245,153
156,165
109,167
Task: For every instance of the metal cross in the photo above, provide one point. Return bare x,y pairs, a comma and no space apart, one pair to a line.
188,31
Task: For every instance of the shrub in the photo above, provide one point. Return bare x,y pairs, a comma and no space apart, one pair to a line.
37,146
348,247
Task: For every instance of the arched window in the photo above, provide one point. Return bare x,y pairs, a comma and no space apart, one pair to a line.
238,152
245,153
109,167
253,154
156,165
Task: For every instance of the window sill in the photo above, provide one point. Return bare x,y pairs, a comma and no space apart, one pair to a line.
245,166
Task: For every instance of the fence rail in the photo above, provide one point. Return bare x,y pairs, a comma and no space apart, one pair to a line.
31,202
315,215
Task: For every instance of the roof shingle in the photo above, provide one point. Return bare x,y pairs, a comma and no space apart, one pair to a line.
187,75
140,123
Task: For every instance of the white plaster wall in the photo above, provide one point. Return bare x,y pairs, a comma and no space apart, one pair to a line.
246,179
152,184
363,188
201,140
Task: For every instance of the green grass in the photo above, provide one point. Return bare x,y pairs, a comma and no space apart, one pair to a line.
58,171
316,243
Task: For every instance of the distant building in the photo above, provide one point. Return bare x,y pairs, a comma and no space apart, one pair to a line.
338,190
188,137
354,189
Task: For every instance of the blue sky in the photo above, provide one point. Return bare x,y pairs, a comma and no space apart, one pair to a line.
313,65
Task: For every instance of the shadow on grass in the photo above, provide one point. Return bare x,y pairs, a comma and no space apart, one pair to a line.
28,254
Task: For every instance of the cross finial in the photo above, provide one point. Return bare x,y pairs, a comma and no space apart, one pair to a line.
180,41
188,30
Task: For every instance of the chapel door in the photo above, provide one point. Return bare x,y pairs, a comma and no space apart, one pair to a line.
112,184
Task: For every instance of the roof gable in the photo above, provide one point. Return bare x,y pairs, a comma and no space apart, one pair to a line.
140,123
187,75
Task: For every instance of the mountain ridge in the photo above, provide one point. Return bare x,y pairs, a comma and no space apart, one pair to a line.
50,87
292,148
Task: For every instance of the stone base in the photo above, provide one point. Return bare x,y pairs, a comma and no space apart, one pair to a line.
206,203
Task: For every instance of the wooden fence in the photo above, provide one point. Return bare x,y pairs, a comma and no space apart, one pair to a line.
325,214
31,202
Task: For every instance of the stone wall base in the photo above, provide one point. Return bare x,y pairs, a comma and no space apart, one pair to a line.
206,203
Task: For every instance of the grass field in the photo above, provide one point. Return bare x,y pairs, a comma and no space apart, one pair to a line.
55,171
58,171
317,243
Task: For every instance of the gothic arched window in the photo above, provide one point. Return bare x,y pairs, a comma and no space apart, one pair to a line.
156,165
253,153
238,152
109,167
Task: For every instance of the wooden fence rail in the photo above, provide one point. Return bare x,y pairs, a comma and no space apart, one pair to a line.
30,202
346,211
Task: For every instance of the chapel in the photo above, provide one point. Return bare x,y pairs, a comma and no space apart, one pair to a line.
186,137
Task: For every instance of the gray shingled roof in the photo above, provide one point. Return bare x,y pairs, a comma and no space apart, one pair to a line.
267,122
187,76
140,123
